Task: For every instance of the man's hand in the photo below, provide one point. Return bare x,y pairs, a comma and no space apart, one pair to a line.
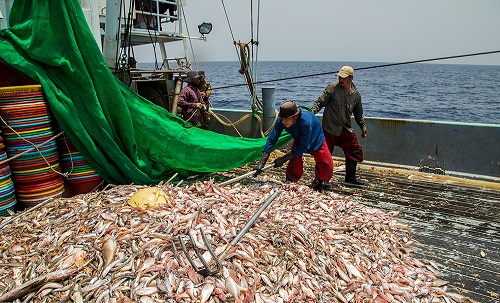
282,160
258,168
199,105
364,133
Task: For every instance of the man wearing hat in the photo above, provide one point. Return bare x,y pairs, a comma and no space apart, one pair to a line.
341,99
308,137
190,101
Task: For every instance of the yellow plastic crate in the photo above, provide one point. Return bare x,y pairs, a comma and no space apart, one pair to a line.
13,90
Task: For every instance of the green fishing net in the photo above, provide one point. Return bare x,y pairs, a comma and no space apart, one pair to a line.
126,138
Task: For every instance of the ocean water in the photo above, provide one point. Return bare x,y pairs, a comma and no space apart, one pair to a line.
436,92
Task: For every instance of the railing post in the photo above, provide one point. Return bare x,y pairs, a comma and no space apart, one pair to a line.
268,104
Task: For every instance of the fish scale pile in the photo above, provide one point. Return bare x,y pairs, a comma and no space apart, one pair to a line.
305,247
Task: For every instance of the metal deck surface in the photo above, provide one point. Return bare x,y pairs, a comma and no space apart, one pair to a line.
455,223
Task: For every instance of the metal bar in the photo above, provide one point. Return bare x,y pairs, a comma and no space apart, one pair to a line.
176,254
186,252
244,176
171,178
205,264
210,250
249,224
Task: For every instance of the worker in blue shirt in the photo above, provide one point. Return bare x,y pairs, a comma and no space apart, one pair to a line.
308,137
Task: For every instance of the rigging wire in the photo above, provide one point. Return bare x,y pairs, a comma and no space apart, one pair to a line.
364,68
153,44
126,45
230,29
242,57
257,39
155,34
254,49
252,60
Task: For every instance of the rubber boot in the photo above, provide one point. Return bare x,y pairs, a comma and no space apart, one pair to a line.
317,180
317,184
350,173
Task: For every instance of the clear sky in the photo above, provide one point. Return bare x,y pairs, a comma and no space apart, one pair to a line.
349,30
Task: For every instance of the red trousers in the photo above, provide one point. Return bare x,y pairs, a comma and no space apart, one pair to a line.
348,142
324,164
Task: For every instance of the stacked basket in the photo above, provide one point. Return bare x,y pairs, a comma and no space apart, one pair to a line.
7,191
80,177
35,169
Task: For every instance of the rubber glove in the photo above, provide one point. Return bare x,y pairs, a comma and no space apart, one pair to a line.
282,160
262,162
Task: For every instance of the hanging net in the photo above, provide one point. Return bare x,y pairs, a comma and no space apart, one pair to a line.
126,138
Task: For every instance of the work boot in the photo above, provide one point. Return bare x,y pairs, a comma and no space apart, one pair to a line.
317,184
350,173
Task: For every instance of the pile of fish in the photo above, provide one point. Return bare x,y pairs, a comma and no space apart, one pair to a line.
305,247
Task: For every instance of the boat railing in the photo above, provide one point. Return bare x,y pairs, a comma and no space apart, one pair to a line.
161,12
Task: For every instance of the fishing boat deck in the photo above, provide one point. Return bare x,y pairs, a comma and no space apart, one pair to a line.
455,222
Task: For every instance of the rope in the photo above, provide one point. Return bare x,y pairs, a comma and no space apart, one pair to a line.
31,149
70,156
245,58
230,124
256,43
263,134
250,115
364,68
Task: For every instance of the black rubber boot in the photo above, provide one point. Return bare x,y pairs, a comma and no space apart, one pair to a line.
350,173
317,184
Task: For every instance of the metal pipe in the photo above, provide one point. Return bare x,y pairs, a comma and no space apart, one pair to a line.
268,102
177,90
244,176
250,223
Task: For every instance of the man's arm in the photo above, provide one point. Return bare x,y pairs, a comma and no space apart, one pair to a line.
322,100
358,116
